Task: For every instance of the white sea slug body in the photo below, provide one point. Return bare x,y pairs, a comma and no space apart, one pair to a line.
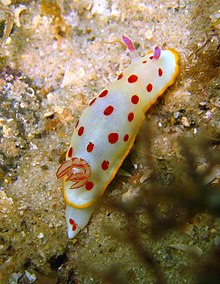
105,133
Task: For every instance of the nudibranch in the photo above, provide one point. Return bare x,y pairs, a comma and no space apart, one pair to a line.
105,133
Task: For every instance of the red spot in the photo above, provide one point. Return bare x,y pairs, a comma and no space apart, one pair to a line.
80,131
126,137
72,222
70,152
134,99
160,72
120,76
145,61
130,116
105,165
92,102
108,110
103,94
132,79
89,185
149,87
113,138
151,57
90,147
77,123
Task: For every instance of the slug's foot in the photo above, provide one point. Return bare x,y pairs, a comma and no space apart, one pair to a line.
76,170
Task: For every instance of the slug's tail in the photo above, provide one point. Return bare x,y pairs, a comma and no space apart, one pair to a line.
77,219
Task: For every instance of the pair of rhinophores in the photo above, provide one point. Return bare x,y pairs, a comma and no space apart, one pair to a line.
105,133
